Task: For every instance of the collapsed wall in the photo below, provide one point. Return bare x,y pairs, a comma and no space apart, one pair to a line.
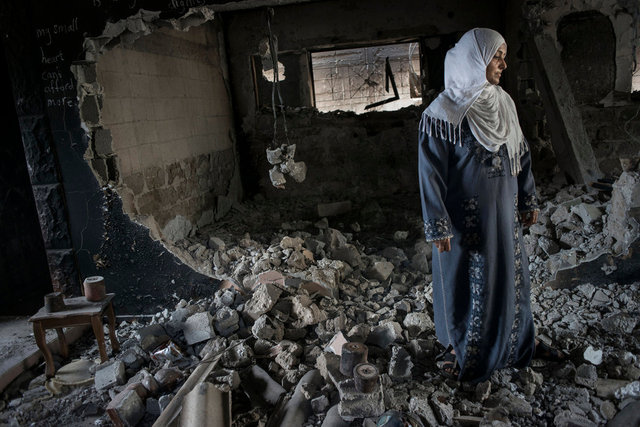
162,126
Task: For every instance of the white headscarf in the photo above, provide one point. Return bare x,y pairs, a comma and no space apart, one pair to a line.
489,109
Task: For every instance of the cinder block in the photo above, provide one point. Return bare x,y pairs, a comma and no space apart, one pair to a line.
198,328
110,374
126,409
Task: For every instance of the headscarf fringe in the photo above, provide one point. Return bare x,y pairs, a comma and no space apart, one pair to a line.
441,128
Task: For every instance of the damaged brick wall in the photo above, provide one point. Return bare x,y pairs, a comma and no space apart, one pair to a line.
166,117
82,218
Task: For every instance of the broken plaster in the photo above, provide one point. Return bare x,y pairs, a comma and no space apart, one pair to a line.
621,20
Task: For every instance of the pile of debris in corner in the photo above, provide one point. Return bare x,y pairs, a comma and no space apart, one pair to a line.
313,327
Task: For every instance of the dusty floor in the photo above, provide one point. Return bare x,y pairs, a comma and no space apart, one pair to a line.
596,325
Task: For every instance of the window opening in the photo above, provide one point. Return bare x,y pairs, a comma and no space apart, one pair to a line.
361,79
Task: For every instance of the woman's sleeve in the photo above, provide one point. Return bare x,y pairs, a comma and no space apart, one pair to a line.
527,201
433,162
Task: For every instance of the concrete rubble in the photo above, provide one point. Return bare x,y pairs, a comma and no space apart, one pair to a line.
297,292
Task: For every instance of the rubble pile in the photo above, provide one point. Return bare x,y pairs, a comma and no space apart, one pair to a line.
295,299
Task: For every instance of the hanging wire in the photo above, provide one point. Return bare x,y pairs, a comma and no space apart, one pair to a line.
275,87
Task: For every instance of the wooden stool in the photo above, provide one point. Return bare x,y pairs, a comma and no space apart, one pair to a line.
78,311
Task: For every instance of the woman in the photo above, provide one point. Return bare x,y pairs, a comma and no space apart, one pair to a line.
477,189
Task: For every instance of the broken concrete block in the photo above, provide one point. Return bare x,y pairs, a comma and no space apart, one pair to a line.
110,374
354,404
333,209
133,357
198,328
619,323
379,270
607,387
294,243
167,378
400,365
267,329
349,254
289,353
263,299
418,323
216,244
383,335
152,336
297,261
237,356
307,312
277,177
127,408
226,321
587,212
420,406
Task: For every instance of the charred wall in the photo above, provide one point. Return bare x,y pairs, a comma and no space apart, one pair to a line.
373,153
84,227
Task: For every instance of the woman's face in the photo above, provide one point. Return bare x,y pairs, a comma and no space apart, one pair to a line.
497,65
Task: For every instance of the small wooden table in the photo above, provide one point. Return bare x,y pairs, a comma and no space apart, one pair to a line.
78,311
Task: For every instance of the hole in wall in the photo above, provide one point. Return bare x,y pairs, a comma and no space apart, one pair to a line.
159,117
585,36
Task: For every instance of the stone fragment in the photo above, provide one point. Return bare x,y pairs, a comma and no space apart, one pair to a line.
307,312
152,336
385,334
587,212
400,365
379,270
153,406
133,357
607,387
592,355
608,409
126,409
226,321
237,356
569,419
167,378
630,390
198,328
288,355
354,404
109,374
263,299
442,408
265,328
418,323
483,390
619,323
216,244
420,406
586,375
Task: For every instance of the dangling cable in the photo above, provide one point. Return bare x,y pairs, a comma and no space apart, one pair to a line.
275,88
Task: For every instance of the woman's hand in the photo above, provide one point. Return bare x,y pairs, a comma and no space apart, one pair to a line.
528,218
443,245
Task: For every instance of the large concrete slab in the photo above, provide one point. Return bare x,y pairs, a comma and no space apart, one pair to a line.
568,136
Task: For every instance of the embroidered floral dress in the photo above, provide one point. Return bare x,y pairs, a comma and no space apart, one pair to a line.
481,287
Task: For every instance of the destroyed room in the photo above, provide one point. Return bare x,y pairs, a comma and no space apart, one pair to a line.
320,213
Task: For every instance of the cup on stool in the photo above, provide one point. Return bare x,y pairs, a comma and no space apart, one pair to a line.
94,289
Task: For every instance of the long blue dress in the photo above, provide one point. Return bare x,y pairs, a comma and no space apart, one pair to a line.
481,287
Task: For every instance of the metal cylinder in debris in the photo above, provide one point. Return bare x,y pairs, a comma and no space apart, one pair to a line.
53,302
352,354
365,377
